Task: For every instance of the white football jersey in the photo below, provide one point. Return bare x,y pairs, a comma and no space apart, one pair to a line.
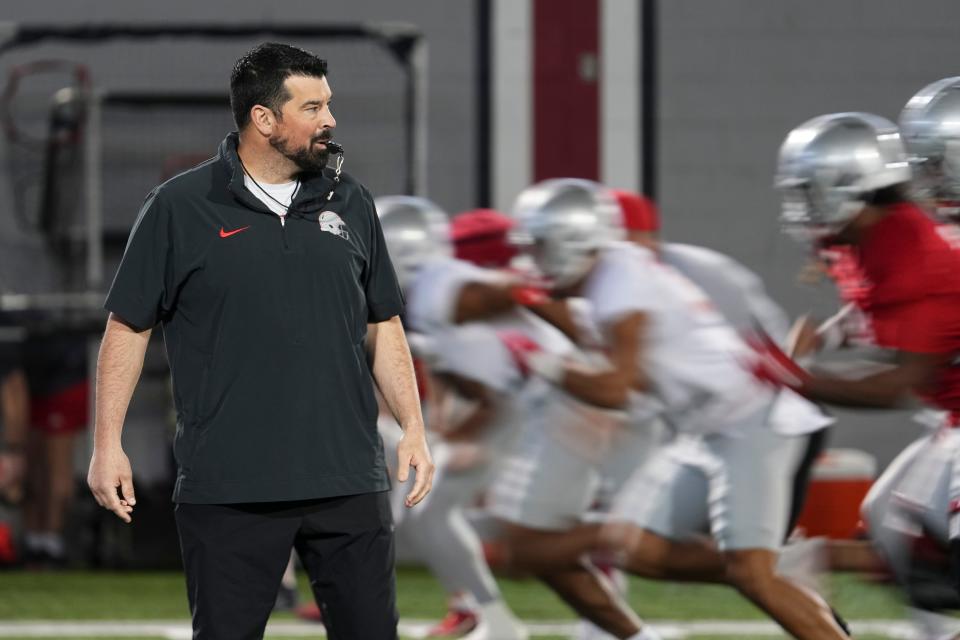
739,295
736,292
435,288
694,358
476,350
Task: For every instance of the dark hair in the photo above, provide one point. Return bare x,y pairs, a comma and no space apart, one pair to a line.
887,196
259,74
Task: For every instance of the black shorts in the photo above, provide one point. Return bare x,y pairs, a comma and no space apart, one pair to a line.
234,556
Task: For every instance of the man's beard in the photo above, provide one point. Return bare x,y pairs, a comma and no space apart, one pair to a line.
306,158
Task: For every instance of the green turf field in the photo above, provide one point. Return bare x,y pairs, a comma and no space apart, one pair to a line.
141,596
160,596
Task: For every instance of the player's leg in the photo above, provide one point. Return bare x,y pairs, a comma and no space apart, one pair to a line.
37,487
801,612
61,489
812,556
541,491
557,558
578,587
540,494
629,446
451,548
661,512
879,515
920,523
751,484
659,523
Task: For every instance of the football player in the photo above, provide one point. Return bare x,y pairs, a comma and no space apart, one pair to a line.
729,473
846,180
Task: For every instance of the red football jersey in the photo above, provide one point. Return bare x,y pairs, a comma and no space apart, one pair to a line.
843,268
914,296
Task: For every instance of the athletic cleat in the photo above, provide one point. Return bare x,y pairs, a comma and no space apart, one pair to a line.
457,623
488,631
588,631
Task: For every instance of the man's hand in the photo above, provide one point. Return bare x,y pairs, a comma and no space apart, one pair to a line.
772,366
110,470
529,358
804,339
413,452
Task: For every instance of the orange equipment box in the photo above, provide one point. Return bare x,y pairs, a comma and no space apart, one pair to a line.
840,480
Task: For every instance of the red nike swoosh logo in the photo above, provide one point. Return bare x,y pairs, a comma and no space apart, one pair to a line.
226,234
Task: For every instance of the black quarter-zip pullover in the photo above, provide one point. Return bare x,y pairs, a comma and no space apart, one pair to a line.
264,325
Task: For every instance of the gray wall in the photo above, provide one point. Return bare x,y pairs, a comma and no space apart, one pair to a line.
736,75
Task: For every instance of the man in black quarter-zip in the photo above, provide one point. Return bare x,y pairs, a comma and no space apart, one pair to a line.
280,307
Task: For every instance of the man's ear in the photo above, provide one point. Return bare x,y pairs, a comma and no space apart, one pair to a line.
263,118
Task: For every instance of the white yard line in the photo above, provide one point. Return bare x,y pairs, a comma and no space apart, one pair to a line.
180,630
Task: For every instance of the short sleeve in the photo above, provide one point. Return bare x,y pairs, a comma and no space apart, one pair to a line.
384,298
142,289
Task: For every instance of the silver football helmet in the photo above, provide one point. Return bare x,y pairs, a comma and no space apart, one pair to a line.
830,164
561,223
930,127
416,230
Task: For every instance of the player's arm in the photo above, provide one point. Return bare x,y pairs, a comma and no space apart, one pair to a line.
893,387
482,300
393,372
807,337
559,314
118,370
610,388
480,416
